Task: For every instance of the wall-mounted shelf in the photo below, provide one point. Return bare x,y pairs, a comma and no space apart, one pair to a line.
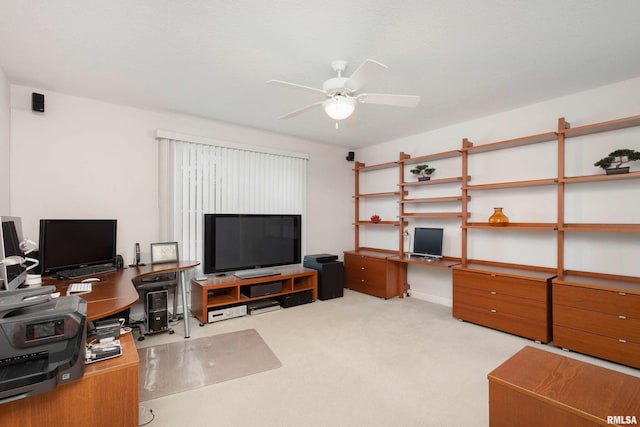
602,228
603,177
527,183
431,182
379,224
551,226
433,200
426,215
429,157
384,194
512,143
364,168
607,126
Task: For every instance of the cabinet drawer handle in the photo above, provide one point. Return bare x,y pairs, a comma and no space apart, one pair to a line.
362,280
494,293
622,293
494,311
361,268
493,275
622,341
622,317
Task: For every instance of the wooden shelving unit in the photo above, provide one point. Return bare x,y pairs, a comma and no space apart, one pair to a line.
590,298
406,186
595,313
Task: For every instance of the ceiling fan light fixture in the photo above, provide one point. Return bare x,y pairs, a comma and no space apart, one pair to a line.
339,107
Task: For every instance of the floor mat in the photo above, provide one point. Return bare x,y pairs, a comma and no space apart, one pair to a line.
193,363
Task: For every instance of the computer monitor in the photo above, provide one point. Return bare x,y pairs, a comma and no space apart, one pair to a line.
427,242
72,243
11,276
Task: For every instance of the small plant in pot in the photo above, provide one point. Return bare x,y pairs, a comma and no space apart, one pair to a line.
613,162
423,172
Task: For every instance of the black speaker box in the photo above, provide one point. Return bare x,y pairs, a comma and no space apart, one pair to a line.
291,300
330,277
37,102
262,289
351,156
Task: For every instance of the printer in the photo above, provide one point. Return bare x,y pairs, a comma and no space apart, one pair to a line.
42,341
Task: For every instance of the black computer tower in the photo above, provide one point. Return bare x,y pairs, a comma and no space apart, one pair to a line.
156,311
330,275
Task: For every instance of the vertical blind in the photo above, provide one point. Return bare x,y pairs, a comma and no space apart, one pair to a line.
197,178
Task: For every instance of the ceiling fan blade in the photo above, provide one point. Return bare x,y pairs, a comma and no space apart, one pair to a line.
295,85
300,110
388,99
366,72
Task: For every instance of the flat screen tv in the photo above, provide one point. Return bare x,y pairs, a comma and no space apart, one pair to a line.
11,276
427,242
247,241
72,243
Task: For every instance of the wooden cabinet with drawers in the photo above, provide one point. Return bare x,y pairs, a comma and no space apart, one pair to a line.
369,272
598,316
512,300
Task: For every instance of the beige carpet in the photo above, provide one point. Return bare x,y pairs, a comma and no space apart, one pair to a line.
193,363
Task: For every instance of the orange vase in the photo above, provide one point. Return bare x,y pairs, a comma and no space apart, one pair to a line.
498,218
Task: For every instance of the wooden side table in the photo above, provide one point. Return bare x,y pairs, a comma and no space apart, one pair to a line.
539,388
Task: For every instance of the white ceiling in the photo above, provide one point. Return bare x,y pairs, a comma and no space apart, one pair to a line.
212,58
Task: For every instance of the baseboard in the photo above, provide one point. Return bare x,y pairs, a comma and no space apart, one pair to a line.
431,298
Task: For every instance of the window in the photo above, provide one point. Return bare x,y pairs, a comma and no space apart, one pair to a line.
199,176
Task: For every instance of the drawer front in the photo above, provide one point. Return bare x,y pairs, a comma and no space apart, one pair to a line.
352,276
352,261
502,284
539,331
501,303
367,274
609,325
627,353
612,302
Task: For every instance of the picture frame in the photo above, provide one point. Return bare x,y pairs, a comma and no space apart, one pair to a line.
164,252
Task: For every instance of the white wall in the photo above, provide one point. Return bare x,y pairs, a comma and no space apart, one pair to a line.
619,203
83,158
5,135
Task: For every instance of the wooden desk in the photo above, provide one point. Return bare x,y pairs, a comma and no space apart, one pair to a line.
539,388
107,395
115,291
398,272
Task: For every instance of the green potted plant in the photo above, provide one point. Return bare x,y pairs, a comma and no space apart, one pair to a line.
613,162
423,172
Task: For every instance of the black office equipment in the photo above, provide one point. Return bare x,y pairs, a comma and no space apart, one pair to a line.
157,319
330,274
155,290
427,242
66,244
37,102
299,298
241,242
11,276
43,343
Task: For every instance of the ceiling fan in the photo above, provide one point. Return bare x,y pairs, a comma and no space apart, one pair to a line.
340,92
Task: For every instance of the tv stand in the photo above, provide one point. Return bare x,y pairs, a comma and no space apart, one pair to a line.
227,290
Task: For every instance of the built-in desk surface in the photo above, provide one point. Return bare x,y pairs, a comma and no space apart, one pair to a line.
115,291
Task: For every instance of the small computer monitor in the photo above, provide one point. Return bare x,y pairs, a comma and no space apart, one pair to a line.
427,242
11,276
73,243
